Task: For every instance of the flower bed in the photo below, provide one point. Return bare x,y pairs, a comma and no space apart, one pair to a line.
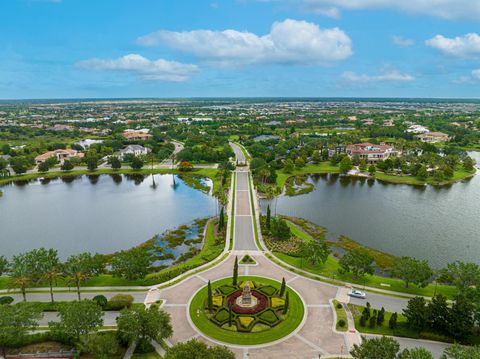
261,303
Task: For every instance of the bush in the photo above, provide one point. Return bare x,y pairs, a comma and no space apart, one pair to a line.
339,306
341,323
119,302
269,316
6,300
101,300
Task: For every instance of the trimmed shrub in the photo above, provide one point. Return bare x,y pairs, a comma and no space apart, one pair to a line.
222,315
277,302
339,306
217,300
269,316
101,300
6,300
246,321
226,289
268,290
119,302
341,323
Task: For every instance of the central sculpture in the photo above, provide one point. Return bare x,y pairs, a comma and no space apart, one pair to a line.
246,295
246,300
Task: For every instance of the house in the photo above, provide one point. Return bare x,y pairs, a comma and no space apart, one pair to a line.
87,143
137,134
370,152
135,150
433,137
61,155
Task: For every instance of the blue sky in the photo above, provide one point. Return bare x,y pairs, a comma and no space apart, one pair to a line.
229,48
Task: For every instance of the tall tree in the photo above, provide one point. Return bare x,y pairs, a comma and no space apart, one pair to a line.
314,251
269,216
142,325
345,164
438,310
77,319
460,274
287,303
412,270
79,268
48,266
131,264
16,323
221,219
235,272
23,272
283,287
357,261
100,345
209,297
417,313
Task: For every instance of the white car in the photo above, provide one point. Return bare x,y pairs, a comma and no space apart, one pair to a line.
357,294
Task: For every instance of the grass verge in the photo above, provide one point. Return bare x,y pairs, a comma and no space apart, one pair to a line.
341,315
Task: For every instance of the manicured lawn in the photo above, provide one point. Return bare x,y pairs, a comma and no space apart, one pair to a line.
152,355
199,318
402,329
341,314
297,232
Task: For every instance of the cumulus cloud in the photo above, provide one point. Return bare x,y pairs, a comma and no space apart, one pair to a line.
289,42
387,76
402,41
447,9
157,70
476,74
467,46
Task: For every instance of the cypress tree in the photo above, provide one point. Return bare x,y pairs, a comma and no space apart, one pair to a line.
269,215
285,308
363,320
210,297
235,272
373,321
282,288
230,316
392,323
221,220
381,316
366,313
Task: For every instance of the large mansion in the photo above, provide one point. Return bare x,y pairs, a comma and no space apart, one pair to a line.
370,152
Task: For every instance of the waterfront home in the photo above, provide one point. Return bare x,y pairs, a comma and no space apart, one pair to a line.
61,155
135,150
370,152
433,137
417,129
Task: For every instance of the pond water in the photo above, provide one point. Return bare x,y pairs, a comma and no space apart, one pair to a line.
441,224
101,214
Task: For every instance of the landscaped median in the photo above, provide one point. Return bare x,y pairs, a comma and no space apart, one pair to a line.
342,319
274,317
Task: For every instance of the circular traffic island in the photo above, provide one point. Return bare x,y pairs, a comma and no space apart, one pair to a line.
253,311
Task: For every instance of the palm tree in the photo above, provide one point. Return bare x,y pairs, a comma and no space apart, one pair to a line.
79,268
47,266
23,272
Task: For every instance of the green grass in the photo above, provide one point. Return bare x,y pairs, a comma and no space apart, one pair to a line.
297,232
459,175
402,329
322,167
199,318
341,314
254,218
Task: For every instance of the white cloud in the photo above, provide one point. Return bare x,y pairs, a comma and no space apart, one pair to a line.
388,76
402,41
289,42
447,9
467,46
158,70
476,74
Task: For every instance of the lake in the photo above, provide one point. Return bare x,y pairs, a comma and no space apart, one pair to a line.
102,214
441,224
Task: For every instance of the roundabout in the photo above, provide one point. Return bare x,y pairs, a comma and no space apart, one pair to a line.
254,311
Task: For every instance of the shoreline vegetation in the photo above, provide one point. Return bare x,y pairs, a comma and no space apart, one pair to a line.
303,230
296,183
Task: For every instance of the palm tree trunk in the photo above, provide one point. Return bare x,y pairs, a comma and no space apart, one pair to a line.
24,294
78,290
51,289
